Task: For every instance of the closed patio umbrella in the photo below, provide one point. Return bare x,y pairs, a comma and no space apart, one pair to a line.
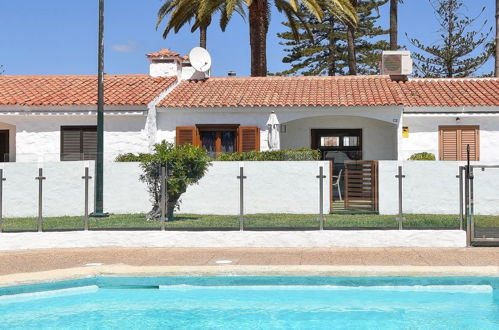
273,132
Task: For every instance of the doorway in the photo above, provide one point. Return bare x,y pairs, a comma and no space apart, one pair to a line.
4,145
338,146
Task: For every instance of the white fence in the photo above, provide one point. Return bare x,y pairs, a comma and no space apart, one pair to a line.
270,187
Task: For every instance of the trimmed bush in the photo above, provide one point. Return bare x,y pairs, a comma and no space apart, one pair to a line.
275,155
422,156
129,157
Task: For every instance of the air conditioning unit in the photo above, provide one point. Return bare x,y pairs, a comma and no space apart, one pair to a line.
396,63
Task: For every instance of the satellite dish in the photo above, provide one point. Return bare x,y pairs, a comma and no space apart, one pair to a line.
200,59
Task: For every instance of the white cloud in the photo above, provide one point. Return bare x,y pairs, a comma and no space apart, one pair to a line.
129,46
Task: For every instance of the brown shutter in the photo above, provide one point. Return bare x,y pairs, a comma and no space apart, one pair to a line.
448,144
469,136
89,143
454,141
70,144
186,135
248,138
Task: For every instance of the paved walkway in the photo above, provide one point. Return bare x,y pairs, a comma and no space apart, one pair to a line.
14,262
234,239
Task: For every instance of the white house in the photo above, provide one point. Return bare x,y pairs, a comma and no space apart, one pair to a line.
356,117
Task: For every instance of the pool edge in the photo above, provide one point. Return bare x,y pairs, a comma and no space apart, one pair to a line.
121,270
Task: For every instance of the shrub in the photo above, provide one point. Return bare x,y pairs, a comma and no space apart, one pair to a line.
422,156
129,157
186,165
275,155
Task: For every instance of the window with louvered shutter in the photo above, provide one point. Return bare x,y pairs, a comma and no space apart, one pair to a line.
186,135
78,143
249,138
455,139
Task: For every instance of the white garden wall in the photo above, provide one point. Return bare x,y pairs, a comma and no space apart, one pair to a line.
432,188
270,187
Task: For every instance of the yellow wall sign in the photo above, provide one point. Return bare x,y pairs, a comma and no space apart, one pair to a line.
405,131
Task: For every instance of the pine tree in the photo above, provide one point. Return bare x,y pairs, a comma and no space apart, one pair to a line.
322,47
460,51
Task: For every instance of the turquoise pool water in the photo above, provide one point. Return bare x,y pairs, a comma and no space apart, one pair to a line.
254,303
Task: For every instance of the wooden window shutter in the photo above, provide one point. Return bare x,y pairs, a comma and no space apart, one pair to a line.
89,143
469,135
454,141
186,135
248,138
70,144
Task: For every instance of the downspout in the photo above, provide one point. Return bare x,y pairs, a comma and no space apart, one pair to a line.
151,120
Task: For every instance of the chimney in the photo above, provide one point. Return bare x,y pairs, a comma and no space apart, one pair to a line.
397,64
166,63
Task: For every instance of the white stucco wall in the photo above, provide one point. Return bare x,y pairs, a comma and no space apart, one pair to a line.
379,124
431,187
424,136
38,136
270,187
379,138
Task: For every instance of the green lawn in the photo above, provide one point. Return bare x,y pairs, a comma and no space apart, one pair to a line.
256,220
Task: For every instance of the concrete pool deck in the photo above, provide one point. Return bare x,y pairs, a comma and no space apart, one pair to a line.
33,266
233,239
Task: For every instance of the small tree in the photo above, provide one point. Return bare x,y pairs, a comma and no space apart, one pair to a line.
185,164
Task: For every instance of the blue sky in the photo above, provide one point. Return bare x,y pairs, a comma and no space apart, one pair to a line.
60,36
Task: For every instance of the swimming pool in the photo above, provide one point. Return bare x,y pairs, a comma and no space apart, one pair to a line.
240,302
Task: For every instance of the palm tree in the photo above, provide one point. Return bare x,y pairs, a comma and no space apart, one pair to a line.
259,13
181,12
394,23
497,39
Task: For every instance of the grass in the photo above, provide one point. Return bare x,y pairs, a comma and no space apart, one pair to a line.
124,221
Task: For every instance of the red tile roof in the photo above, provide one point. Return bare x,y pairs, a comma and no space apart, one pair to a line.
333,91
163,53
283,91
80,90
450,92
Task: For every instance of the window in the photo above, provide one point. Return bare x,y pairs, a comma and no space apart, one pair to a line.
455,139
220,138
78,143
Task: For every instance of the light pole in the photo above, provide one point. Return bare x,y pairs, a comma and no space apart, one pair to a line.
99,164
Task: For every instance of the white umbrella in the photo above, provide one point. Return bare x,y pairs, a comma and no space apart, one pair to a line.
273,132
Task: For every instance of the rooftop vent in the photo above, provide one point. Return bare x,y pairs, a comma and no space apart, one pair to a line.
231,73
397,64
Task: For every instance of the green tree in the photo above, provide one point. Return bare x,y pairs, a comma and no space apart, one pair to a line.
185,164
327,53
496,50
181,12
459,52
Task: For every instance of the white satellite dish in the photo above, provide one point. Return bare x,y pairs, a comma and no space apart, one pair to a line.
200,59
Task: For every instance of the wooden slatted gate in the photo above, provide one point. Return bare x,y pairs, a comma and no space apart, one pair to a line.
361,185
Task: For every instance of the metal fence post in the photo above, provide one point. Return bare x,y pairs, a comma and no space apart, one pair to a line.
400,218
472,206
163,197
467,197
241,178
40,179
460,177
321,177
86,177
2,179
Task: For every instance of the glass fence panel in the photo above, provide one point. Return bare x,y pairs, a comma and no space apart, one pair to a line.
430,195
127,201
484,206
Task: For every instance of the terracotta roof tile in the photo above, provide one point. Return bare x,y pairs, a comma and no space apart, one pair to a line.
80,90
163,53
283,91
332,91
450,92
